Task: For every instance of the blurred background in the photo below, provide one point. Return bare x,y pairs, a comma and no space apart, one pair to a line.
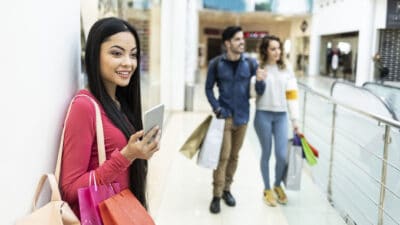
351,114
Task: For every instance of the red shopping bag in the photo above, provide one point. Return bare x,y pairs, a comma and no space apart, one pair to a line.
124,209
90,198
314,150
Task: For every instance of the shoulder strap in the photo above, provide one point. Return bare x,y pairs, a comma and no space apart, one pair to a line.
252,72
55,192
99,134
215,65
216,62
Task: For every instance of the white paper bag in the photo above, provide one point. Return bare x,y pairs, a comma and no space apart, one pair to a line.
208,156
292,177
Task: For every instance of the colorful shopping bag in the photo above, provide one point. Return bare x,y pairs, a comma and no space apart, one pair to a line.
310,157
90,198
313,149
124,209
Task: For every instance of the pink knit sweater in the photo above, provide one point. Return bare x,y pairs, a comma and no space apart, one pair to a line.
80,151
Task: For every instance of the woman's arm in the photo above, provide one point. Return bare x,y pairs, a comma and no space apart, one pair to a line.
292,100
79,138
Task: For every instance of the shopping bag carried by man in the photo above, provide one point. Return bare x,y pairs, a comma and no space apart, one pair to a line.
292,177
193,143
211,148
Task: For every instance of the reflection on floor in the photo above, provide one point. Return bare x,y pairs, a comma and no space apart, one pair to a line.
180,192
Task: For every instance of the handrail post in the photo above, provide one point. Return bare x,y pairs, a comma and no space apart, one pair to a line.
304,111
329,188
384,174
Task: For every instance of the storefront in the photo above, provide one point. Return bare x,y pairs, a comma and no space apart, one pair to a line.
338,55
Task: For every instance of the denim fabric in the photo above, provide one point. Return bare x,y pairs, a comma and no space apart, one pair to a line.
233,87
268,124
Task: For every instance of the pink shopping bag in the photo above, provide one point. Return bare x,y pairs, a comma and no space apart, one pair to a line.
90,198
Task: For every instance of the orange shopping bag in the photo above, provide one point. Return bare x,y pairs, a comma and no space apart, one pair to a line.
124,209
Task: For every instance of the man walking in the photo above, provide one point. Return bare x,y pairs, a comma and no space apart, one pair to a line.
231,71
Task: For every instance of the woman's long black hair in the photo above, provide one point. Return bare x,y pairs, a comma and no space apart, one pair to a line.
129,96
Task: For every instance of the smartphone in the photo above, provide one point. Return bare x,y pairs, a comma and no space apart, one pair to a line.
153,117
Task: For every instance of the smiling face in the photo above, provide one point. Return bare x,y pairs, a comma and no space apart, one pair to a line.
236,44
273,51
118,60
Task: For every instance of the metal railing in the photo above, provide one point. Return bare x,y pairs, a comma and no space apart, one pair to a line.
359,170
390,94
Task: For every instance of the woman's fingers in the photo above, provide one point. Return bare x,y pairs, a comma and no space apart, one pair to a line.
135,137
261,74
147,137
149,144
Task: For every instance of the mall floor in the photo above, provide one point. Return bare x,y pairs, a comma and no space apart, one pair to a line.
180,192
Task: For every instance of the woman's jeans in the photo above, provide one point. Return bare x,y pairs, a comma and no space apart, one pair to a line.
268,124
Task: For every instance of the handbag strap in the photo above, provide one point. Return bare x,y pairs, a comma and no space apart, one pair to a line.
55,192
99,134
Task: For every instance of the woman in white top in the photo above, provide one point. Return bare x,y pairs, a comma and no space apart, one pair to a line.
276,93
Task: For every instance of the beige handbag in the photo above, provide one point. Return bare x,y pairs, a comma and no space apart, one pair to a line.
58,212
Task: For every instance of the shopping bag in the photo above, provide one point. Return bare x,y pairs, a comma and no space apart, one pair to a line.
193,143
56,212
90,197
313,149
292,176
211,148
310,157
124,209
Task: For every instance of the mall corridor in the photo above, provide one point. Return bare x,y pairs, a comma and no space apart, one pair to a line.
180,191
344,54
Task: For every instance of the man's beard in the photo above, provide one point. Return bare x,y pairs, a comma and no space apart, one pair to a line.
237,50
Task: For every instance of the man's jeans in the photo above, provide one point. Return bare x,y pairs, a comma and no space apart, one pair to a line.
228,161
266,124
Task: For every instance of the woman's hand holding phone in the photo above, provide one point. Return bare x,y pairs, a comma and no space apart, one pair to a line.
145,148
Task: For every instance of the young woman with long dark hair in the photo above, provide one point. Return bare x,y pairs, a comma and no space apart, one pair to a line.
112,62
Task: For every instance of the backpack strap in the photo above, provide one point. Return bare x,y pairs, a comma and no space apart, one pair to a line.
251,65
218,59
215,65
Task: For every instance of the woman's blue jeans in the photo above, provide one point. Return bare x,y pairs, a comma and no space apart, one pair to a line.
268,124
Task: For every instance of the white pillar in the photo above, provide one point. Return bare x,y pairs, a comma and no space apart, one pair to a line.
365,43
315,42
192,40
173,39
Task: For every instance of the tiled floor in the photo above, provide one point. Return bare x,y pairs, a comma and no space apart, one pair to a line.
180,191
